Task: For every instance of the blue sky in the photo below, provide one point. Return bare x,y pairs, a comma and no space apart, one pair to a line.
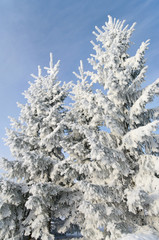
31,29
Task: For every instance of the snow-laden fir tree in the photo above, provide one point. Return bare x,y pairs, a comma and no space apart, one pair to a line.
118,169
109,183
82,142
76,145
29,196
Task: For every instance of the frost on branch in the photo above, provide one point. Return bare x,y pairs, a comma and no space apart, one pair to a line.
94,163
34,141
12,209
118,194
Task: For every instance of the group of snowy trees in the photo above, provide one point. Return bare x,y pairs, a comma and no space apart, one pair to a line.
94,163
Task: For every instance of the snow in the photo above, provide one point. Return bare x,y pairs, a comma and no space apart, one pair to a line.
107,183
142,235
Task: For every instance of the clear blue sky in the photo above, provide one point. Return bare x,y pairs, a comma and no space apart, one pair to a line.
31,29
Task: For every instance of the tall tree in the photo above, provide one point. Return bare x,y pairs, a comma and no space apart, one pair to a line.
29,196
117,168
108,184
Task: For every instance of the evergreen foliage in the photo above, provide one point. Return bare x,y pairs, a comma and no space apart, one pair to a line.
117,169
108,182
29,196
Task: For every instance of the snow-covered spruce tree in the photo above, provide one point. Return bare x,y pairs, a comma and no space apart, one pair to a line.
29,197
76,145
117,170
83,121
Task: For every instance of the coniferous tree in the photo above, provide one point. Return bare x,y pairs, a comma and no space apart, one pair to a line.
75,144
108,184
29,196
117,169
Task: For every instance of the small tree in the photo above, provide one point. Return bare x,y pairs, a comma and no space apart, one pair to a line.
76,146
30,197
117,169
